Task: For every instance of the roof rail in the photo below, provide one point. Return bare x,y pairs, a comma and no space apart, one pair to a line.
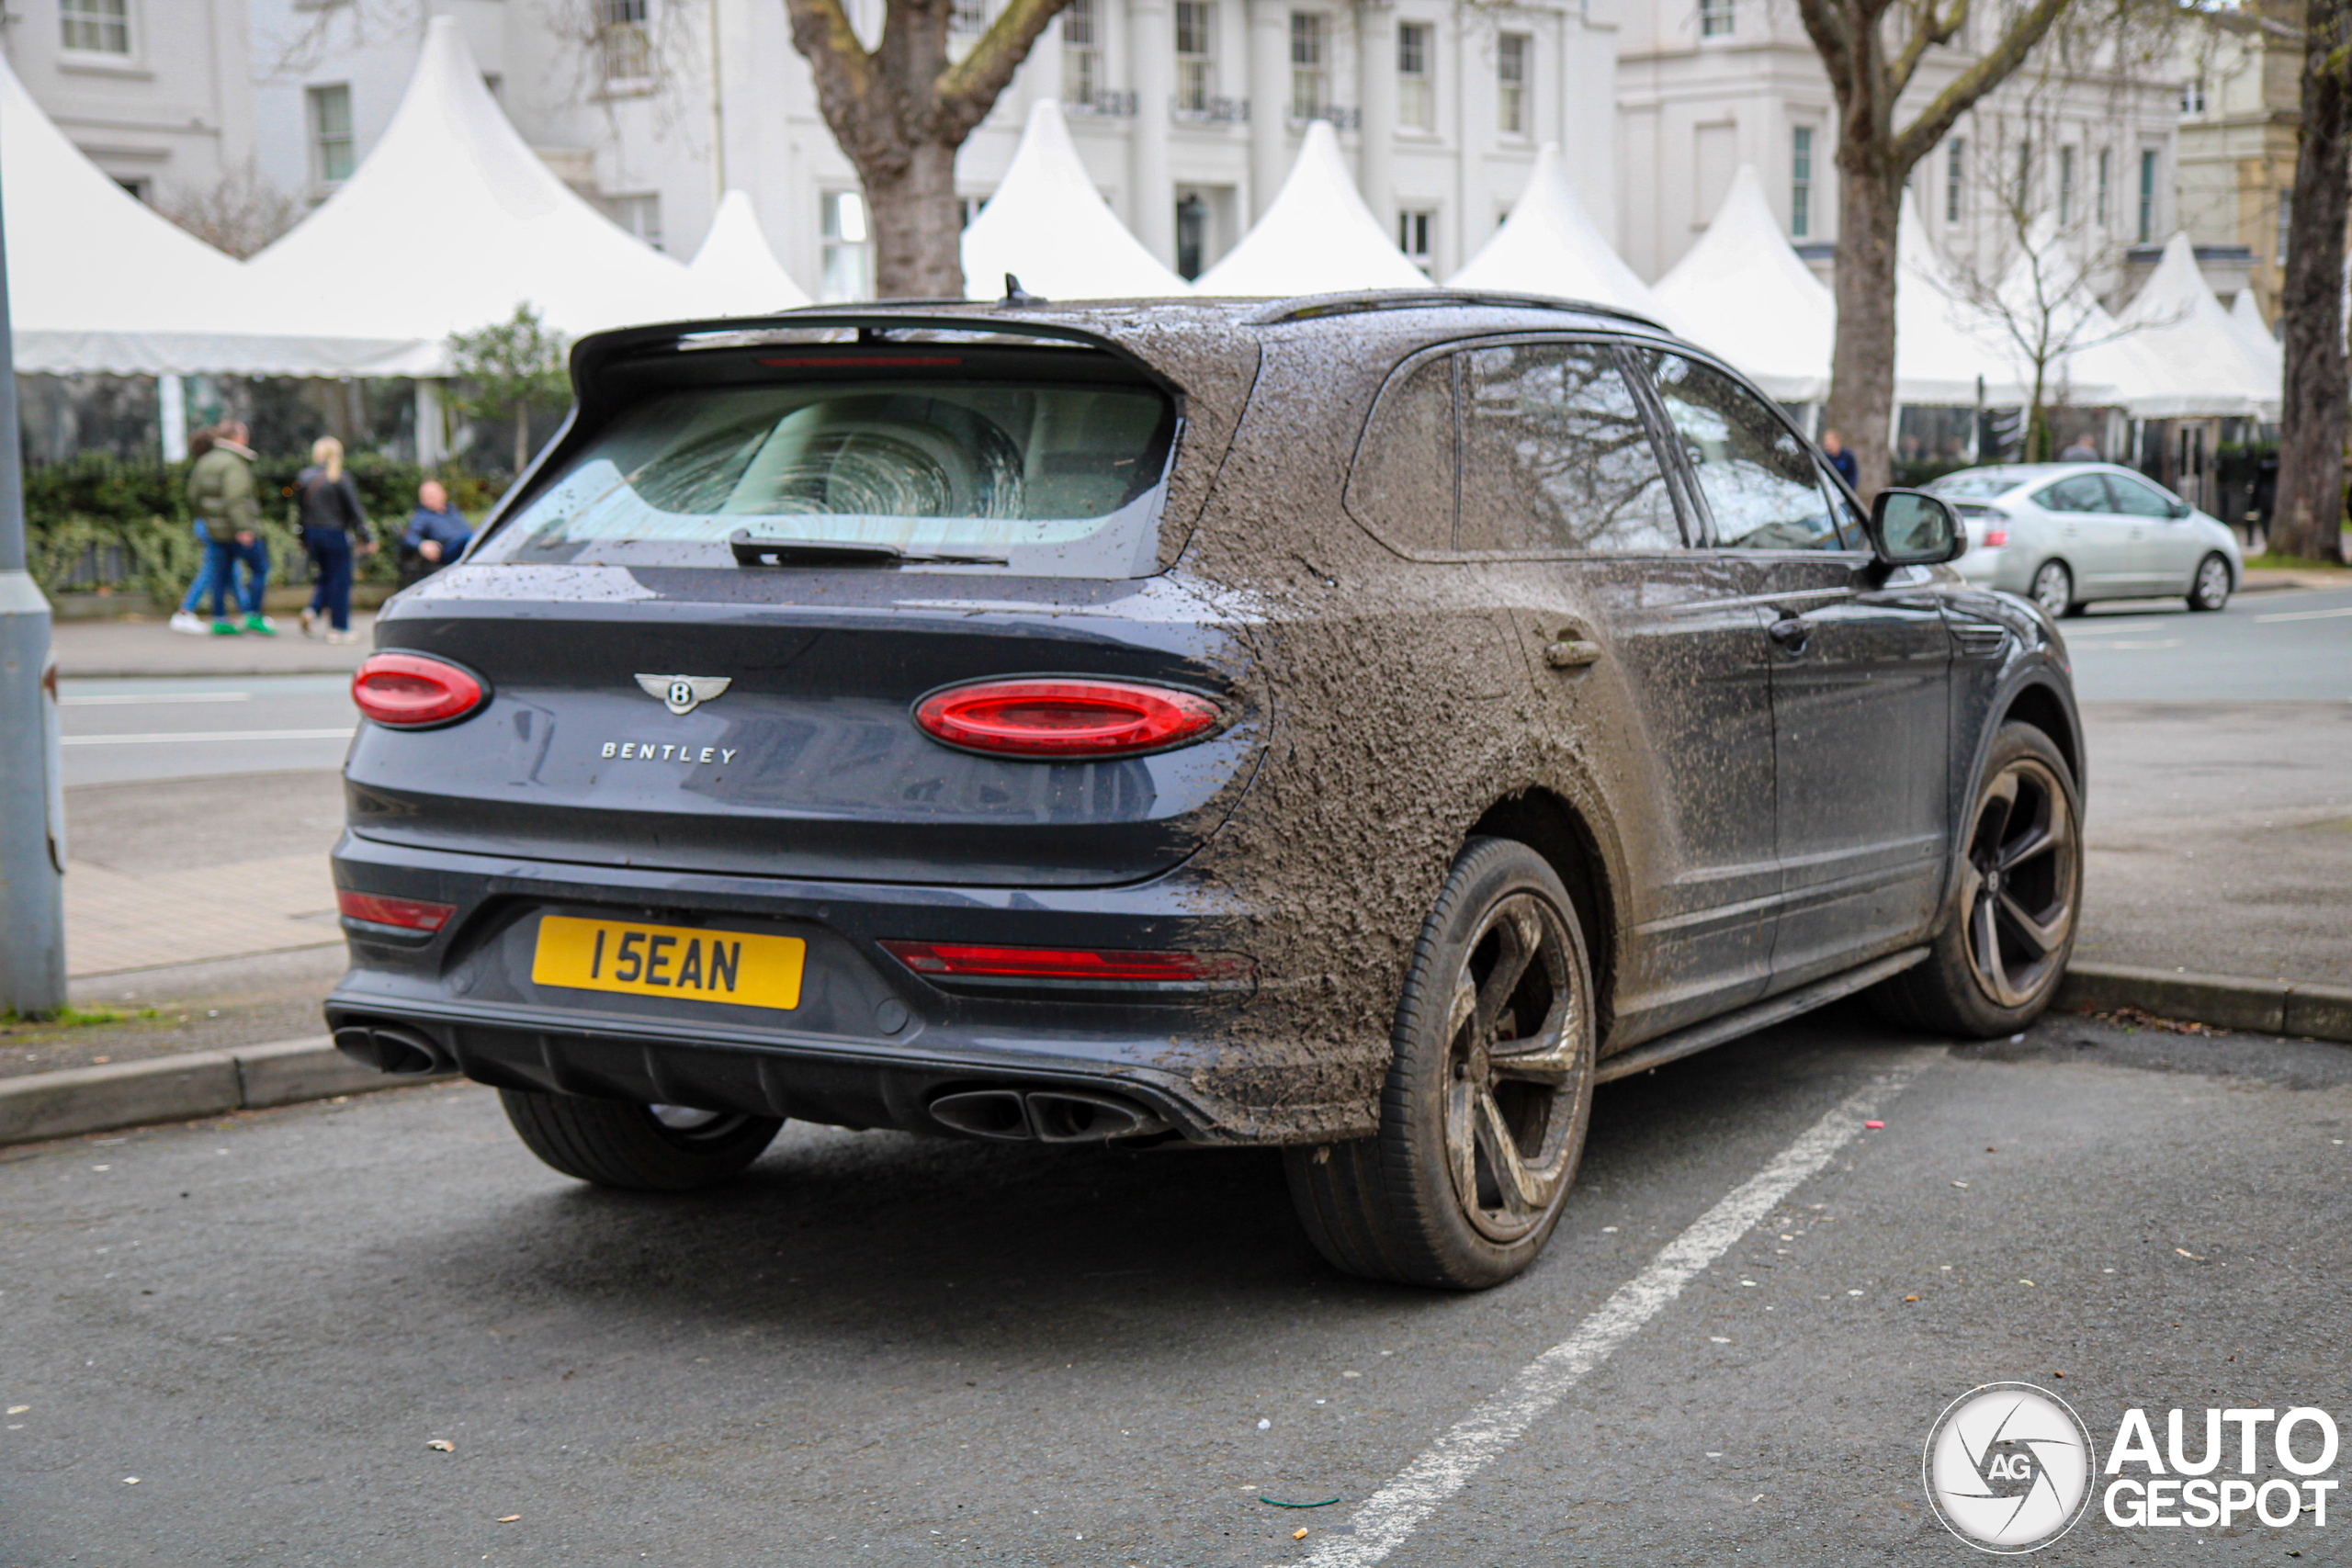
1313,306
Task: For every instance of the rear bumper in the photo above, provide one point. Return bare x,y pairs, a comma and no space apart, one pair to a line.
871,1044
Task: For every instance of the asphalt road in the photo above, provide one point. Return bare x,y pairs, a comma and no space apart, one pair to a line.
2292,645
118,731
881,1349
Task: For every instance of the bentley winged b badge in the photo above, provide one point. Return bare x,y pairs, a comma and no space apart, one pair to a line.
684,694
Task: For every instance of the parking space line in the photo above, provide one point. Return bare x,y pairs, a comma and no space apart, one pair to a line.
1392,1513
2306,614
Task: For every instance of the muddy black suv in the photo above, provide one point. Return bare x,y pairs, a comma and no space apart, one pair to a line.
1357,724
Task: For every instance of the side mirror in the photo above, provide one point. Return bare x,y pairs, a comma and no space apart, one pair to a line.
2178,510
1910,527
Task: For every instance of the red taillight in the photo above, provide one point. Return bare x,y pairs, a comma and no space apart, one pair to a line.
411,691
951,961
410,914
1067,717
1996,537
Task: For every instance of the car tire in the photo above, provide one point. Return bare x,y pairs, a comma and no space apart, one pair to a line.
1482,1121
640,1149
2054,590
2015,905
2210,589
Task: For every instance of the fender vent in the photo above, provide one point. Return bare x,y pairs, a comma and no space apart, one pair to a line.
1979,640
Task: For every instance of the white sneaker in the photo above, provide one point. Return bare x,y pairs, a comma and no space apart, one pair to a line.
310,623
193,625
343,637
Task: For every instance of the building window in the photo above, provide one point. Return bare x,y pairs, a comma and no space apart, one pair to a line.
1192,236
331,145
846,269
132,183
640,215
97,26
969,17
2024,193
1310,75
1195,55
1714,18
2147,196
2106,169
1414,230
2286,213
1416,102
1511,52
2065,184
2192,96
621,38
1955,165
1801,182
1082,53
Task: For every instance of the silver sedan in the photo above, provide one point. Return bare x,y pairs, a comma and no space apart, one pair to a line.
2066,534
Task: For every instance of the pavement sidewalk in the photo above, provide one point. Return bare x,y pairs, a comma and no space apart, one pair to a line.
136,647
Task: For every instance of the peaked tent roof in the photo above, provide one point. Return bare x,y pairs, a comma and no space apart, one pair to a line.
736,272
2182,330
2253,335
98,282
1942,344
1551,245
452,222
1049,226
1742,293
2045,286
1318,236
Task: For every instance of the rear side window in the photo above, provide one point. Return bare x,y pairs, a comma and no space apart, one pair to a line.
1759,480
2077,492
949,467
1402,484
1555,455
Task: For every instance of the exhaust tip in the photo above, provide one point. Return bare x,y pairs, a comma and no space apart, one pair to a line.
997,1113
1073,1116
401,1052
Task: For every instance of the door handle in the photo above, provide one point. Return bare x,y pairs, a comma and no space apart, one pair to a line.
1571,653
1791,634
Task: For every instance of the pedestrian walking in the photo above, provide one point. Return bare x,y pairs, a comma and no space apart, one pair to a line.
227,504
437,532
1833,446
185,619
2081,451
335,529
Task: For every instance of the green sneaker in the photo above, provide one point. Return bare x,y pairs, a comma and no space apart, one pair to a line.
260,625
224,628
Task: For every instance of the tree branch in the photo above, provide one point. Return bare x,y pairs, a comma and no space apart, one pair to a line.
968,89
844,73
1824,23
1930,29
1987,73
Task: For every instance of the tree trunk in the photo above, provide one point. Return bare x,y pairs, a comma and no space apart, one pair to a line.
522,438
1861,372
918,231
2310,509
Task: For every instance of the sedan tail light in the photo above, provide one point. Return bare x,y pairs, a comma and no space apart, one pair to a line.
415,690
1067,717
409,914
1996,537
1072,966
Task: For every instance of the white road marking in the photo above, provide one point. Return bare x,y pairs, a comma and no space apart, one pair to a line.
112,699
2306,614
343,734
1390,1515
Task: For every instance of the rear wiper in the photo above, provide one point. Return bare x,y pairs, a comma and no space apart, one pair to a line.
750,552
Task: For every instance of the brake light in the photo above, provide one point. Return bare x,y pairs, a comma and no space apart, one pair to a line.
1996,537
414,691
1081,964
1067,717
409,914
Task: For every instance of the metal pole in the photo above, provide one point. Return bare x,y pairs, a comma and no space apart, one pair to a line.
32,816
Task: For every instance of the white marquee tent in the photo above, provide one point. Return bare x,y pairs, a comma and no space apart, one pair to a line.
1047,225
1743,293
1943,346
2182,331
1317,237
98,283
2253,335
1551,245
736,272
452,222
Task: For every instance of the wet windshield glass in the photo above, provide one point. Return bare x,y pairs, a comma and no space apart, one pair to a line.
952,468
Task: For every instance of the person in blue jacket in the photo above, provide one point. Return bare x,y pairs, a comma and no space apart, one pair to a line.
437,532
1833,446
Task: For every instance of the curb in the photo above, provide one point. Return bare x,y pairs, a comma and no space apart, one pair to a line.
179,1089
2226,1001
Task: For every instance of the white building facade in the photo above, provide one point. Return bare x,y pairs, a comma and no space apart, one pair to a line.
1187,112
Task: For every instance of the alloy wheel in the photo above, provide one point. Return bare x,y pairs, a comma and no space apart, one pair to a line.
2054,590
2019,884
1517,1070
2212,589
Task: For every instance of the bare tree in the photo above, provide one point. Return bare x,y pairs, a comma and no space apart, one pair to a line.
1871,49
901,109
2310,510
239,213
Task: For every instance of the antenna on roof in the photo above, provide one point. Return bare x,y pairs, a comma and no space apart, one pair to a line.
1016,295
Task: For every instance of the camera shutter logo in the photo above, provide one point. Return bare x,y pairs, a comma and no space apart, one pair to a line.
684,694
2009,1467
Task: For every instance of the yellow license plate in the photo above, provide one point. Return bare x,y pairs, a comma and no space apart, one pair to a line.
669,961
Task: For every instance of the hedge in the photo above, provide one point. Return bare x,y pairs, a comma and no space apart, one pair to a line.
99,522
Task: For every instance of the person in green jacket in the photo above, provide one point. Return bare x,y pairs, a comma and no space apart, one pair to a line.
227,504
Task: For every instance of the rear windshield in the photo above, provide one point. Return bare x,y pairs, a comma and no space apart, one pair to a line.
1057,480
1980,485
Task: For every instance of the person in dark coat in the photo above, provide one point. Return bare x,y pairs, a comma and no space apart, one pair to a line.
437,532
1833,446
335,530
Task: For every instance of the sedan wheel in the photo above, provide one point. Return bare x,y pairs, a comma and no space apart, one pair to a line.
2054,590
2211,588
1489,1089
